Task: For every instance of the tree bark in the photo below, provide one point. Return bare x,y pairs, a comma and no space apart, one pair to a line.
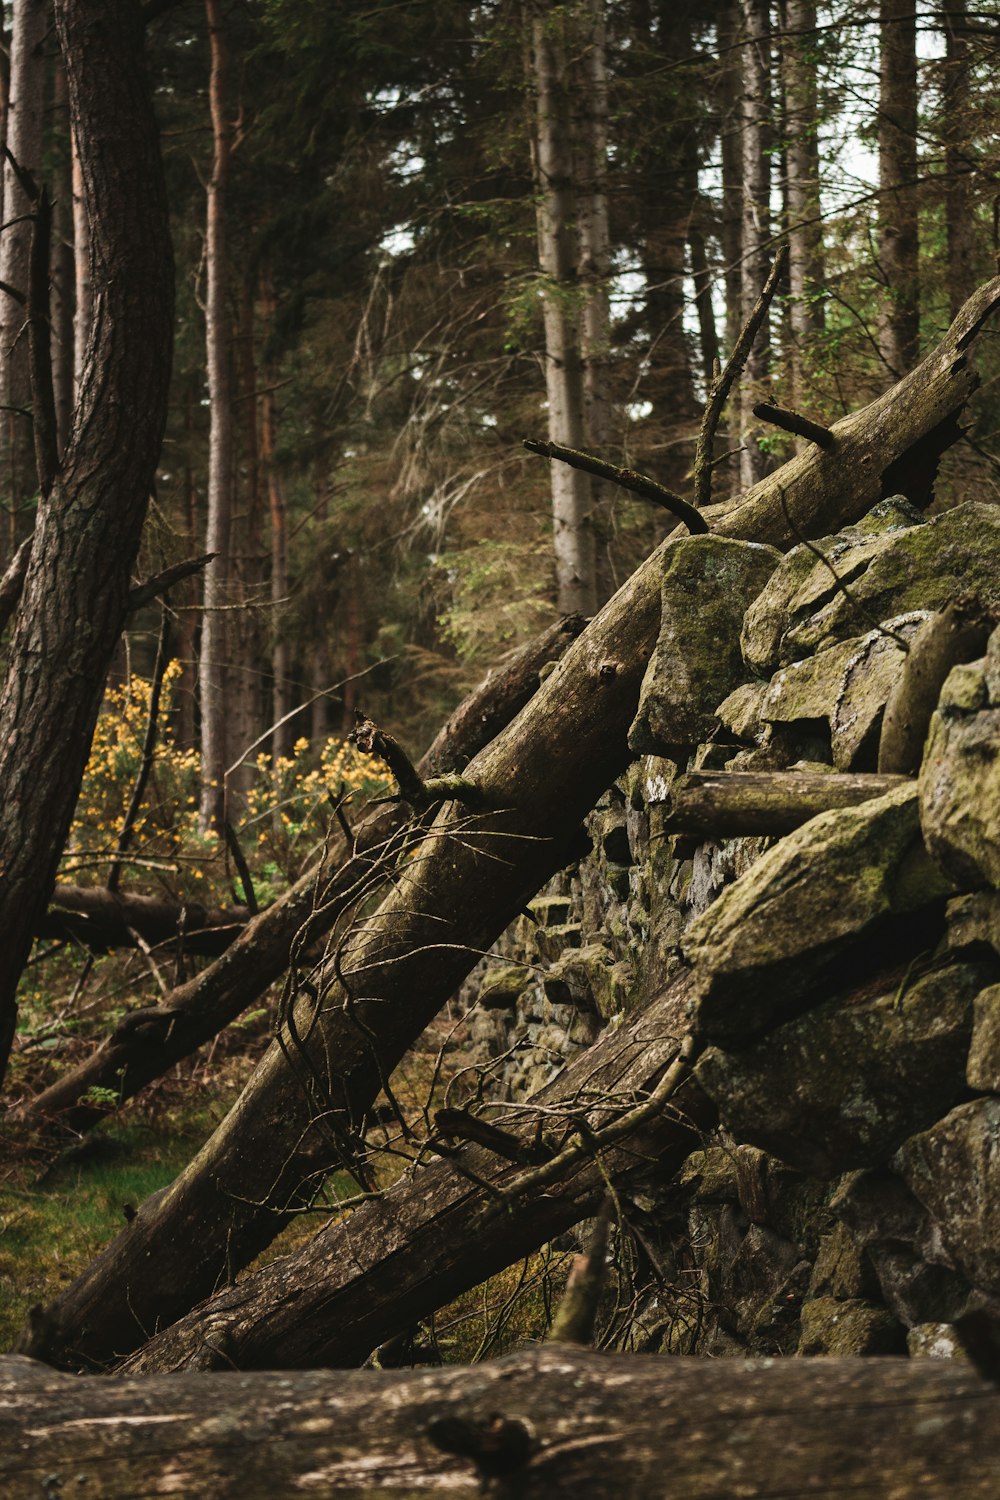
755,257
959,164
213,676
63,267
737,804
805,230
75,597
148,1042
552,155
535,783
25,118
899,329
281,696
549,1421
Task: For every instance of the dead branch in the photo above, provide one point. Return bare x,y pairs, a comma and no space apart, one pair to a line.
626,479
735,804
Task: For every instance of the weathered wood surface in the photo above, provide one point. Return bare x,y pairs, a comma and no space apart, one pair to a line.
437,1233
537,780
550,1421
731,804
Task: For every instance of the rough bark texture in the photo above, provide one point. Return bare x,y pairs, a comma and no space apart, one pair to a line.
573,539
437,1233
213,676
899,331
551,1421
805,230
75,595
29,25
536,781
756,249
959,163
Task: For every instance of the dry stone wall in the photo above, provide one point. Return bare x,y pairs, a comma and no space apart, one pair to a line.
847,975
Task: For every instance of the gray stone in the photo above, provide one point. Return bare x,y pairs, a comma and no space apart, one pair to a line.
740,712
843,1086
983,1068
954,1170
847,685
818,894
973,922
917,1280
708,583
922,567
841,1269
960,775
845,1329
500,987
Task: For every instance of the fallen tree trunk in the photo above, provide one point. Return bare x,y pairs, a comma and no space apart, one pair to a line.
736,804
550,1421
148,1042
448,1225
101,919
472,874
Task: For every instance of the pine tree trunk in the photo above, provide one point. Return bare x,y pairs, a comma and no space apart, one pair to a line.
281,693
958,167
756,223
573,538
899,329
805,235
25,120
86,538
213,675
63,266
83,308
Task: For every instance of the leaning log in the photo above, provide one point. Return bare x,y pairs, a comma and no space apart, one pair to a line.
298,1119
737,804
447,1225
550,1421
147,1042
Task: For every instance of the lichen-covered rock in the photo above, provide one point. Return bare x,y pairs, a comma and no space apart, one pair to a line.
843,1086
847,685
841,1269
889,573
591,978
973,922
983,1067
760,949
954,1170
740,712
501,986
934,1341
708,583
960,774
844,1329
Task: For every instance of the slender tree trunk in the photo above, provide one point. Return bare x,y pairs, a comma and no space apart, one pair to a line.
805,235
63,266
728,29
86,536
213,673
756,248
573,537
590,98
958,168
25,120
83,313
899,332
281,695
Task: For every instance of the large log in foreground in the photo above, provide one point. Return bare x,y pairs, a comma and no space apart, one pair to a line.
536,781
550,1421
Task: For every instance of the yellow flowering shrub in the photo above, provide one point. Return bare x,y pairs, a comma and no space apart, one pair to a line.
282,817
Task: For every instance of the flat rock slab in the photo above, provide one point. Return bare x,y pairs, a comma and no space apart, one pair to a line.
818,895
954,1170
886,566
845,1085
